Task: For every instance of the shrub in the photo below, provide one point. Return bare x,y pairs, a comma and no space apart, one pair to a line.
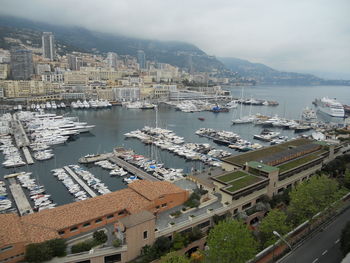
84,246
117,243
176,214
46,250
38,252
100,237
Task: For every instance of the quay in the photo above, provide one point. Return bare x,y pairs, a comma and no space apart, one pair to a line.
20,198
27,155
132,169
95,158
80,182
19,133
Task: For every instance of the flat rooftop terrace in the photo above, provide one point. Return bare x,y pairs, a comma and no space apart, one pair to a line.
238,180
258,155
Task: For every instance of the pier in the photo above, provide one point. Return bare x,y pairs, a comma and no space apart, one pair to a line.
20,198
19,133
80,182
132,169
95,158
27,155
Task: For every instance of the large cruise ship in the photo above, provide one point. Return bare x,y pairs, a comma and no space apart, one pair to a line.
330,107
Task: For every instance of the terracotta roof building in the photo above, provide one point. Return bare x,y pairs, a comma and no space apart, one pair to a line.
69,220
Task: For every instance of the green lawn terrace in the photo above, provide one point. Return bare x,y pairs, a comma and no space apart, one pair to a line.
239,180
280,155
299,162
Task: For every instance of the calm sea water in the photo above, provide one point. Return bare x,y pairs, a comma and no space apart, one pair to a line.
111,124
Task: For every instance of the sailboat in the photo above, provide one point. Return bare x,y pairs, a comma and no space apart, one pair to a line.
244,119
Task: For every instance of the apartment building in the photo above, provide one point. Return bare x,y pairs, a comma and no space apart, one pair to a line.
28,88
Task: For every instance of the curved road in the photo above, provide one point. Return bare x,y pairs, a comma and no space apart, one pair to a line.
324,247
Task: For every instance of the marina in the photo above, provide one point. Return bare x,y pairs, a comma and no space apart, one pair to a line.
80,182
113,123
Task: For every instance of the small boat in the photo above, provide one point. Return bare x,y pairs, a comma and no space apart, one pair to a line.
201,118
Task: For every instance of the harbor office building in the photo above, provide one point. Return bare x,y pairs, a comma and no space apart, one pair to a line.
134,213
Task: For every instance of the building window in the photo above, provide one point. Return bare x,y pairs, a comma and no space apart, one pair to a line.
121,213
164,205
204,224
110,216
157,206
86,224
246,206
73,229
145,234
61,232
6,248
235,211
98,220
113,258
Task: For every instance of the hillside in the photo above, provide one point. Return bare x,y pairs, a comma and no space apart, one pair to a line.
75,38
269,76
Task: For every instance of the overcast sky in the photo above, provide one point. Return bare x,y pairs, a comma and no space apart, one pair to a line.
311,36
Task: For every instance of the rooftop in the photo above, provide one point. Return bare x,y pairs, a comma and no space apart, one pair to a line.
297,162
153,190
242,182
257,155
75,213
262,167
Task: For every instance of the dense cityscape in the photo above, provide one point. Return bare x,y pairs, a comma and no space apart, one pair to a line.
118,157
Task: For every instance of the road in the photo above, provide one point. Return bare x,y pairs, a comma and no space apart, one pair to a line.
324,247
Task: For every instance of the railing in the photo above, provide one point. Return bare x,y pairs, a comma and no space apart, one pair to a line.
188,222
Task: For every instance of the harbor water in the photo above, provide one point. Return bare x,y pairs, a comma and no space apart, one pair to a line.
113,123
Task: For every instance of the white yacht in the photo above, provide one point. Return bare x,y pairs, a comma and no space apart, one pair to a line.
330,107
48,105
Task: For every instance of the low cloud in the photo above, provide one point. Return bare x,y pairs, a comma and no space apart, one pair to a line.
303,36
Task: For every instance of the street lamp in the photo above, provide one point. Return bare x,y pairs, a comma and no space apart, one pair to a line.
285,241
280,237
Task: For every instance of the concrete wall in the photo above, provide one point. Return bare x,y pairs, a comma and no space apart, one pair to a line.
171,200
135,240
93,225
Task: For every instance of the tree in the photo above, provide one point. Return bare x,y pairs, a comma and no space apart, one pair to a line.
276,220
230,241
345,239
58,247
347,179
100,236
195,234
162,245
173,257
38,252
179,241
309,198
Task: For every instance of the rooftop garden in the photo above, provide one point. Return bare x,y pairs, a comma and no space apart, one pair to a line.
259,154
231,176
243,182
297,162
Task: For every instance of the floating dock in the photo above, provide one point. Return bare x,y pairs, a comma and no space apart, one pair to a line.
27,155
20,198
132,169
80,182
95,158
